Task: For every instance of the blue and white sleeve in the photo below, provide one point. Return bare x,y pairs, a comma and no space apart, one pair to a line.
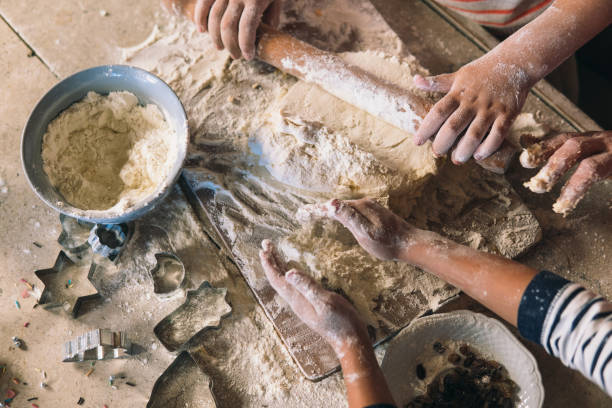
571,323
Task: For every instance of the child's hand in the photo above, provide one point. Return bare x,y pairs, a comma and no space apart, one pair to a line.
378,230
232,24
327,313
483,98
592,149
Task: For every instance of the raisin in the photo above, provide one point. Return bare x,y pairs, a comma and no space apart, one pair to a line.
478,362
466,350
468,361
420,372
454,358
439,348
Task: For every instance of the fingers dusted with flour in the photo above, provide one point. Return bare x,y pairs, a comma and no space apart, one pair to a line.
247,31
200,14
593,152
274,269
537,153
561,161
233,24
377,229
438,83
309,288
229,28
486,95
590,171
350,215
482,99
327,313
337,321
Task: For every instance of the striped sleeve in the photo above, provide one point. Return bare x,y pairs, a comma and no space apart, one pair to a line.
571,323
500,14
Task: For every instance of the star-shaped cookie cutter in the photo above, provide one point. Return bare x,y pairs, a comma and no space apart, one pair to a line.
98,344
56,294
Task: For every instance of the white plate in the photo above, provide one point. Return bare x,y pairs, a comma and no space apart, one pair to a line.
488,336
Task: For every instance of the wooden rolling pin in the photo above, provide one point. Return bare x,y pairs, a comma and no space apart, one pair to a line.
387,101
380,98
352,84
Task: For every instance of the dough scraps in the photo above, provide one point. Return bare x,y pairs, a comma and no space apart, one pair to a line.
108,152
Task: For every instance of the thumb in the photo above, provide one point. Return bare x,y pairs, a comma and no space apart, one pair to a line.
438,83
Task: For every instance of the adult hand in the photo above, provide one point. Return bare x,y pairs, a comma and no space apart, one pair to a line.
482,98
592,149
232,24
378,230
325,312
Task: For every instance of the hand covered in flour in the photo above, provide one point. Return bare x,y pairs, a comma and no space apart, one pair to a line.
325,312
233,24
482,99
377,229
593,150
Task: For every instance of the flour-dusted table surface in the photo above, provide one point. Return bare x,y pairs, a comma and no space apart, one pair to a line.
76,35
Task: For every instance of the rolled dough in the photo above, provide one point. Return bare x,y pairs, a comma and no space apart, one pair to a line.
347,152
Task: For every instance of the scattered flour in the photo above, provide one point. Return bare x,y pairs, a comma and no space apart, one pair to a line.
387,294
233,108
526,124
108,152
307,156
178,53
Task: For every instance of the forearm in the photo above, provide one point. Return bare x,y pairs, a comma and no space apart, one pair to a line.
540,46
496,282
363,378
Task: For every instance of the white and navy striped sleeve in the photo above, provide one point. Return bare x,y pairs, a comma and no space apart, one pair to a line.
571,323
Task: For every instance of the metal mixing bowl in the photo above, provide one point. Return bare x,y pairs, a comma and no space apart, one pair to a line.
103,79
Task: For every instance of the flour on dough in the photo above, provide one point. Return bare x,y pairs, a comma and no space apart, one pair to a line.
352,152
328,252
526,124
108,152
308,156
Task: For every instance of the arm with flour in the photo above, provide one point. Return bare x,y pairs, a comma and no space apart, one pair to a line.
485,96
335,319
570,322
